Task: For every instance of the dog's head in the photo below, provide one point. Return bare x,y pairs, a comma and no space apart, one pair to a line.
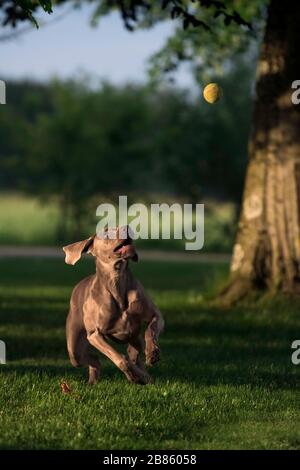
109,247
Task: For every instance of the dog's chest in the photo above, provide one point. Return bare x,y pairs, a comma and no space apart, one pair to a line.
118,320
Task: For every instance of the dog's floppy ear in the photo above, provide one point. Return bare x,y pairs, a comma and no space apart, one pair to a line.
75,250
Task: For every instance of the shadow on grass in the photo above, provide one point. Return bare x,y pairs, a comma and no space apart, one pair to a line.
158,275
201,345
232,359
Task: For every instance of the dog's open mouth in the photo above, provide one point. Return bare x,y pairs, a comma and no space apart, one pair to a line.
122,246
126,249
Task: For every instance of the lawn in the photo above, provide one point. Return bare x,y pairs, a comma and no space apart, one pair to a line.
225,380
26,220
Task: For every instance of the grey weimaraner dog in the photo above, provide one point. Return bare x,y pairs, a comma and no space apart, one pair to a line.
111,305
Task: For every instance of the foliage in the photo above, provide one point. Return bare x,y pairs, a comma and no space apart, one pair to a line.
203,147
14,12
17,118
209,50
93,142
133,11
207,33
69,140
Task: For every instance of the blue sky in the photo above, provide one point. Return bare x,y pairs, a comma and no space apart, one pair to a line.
70,46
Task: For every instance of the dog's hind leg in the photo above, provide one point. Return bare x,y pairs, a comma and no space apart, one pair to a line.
81,357
78,349
94,369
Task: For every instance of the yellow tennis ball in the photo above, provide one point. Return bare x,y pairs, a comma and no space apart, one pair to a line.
212,93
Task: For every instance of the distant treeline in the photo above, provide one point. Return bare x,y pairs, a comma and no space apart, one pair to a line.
73,141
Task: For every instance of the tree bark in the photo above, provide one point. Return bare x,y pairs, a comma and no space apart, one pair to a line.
266,254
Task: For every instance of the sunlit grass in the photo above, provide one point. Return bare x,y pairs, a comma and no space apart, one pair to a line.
26,220
225,379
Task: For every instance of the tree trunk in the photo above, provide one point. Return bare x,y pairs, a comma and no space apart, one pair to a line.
267,250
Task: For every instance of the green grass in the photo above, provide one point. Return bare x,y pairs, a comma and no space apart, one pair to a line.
24,220
225,380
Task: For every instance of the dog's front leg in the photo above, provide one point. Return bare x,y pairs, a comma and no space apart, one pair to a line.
133,373
153,330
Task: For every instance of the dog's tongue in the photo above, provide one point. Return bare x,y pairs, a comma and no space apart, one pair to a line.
126,250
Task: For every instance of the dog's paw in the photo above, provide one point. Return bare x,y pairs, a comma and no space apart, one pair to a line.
136,375
146,378
153,356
